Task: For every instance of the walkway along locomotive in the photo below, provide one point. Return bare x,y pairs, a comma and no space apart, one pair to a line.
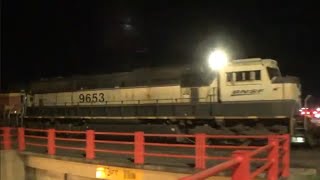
255,99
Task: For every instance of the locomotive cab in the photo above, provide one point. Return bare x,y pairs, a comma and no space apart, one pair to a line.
258,80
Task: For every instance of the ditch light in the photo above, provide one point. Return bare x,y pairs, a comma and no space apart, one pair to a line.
297,139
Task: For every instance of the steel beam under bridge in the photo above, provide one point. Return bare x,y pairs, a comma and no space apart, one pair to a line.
37,167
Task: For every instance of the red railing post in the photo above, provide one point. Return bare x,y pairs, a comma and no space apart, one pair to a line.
139,147
200,160
51,141
6,138
21,139
241,171
90,144
286,157
273,157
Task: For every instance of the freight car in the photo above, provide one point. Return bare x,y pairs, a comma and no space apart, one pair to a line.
11,108
249,97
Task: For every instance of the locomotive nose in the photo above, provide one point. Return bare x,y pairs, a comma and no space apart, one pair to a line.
287,79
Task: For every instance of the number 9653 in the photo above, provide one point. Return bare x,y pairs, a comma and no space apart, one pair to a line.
91,98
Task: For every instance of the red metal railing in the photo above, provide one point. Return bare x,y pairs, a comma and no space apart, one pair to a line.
241,162
276,163
6,138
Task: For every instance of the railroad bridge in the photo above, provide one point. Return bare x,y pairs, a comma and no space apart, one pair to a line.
67,155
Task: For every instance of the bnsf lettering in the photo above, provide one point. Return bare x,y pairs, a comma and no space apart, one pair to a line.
91,98
246,92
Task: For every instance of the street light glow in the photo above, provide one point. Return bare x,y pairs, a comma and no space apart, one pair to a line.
218,59
100,173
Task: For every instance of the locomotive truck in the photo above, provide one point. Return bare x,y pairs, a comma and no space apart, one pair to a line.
249,96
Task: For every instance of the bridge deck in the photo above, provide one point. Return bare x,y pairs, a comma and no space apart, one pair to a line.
301,157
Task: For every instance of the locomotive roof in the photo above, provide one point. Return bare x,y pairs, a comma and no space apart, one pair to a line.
137,77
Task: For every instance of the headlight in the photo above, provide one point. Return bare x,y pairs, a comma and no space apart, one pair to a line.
298,139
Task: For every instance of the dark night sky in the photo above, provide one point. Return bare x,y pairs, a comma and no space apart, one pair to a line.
64,37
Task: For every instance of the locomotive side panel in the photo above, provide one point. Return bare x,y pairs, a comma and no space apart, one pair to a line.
165,94
135,95
64,98
52,99
44,99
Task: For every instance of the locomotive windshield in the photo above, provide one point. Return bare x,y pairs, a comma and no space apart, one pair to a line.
273,72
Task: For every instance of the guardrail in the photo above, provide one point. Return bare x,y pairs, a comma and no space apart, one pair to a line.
276,162
6,135
240,162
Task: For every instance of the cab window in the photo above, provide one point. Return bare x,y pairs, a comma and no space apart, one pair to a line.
244,76
273,72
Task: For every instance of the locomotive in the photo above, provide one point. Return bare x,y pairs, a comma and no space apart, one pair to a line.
249,96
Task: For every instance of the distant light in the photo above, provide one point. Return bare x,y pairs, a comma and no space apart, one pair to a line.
314,112
308,112
303,112
218,59
298,139
317,115
127,24
127,27
318,109
100,173
15,112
